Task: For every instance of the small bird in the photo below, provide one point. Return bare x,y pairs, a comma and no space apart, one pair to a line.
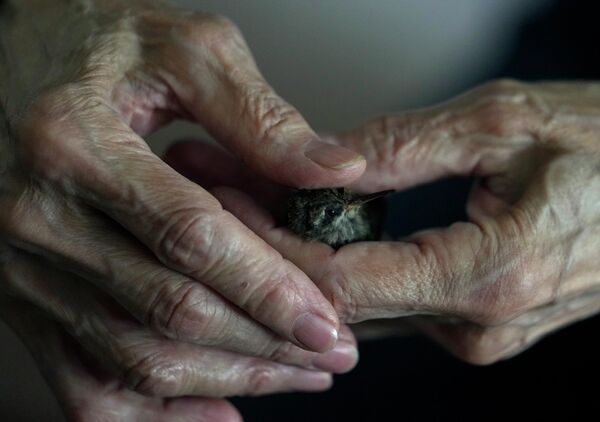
335,216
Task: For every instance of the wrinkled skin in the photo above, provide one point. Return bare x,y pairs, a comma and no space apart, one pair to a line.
524,264
101,240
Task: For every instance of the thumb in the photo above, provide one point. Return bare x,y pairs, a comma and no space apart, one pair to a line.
239,108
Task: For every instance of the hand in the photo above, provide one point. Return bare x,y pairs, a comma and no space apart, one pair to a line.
524,265
89,394
91,218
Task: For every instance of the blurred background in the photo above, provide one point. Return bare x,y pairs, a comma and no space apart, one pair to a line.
341,62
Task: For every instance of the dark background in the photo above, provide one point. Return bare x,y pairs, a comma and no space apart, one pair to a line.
412,378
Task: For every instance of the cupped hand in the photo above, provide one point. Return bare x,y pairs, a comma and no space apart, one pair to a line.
91,218
524,264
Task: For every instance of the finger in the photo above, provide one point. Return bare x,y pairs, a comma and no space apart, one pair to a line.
85,392
477,134
153,365
485,345
81,309
217,83
108,166
224,90
438,272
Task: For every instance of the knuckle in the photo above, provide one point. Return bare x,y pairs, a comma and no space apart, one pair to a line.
213,31
479,346
259,379
186,312
388,127
271,115
506,108
391,136
264,302
154,375
188,239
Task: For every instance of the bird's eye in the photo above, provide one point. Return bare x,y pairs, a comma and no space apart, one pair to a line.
332,212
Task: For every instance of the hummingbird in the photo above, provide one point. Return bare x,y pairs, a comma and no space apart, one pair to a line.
335,216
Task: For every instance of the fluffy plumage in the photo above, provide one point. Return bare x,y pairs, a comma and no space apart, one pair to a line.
335,216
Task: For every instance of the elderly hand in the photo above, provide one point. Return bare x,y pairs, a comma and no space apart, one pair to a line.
86,392
526,261
91,218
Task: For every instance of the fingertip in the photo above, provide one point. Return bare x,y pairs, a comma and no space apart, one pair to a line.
315,165
310,381
339,165
343,358
332,156
315,333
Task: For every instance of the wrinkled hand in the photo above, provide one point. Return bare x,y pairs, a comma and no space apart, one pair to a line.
526,261
88,393
90,217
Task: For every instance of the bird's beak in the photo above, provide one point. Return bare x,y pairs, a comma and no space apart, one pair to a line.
363,199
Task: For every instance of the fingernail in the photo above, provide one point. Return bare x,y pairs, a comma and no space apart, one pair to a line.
341,359
312,381
331,156
315,333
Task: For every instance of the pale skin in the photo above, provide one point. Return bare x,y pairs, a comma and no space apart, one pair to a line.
129,283
159,288
524,264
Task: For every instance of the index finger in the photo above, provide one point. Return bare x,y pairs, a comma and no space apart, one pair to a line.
460,270
214,76
105,164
